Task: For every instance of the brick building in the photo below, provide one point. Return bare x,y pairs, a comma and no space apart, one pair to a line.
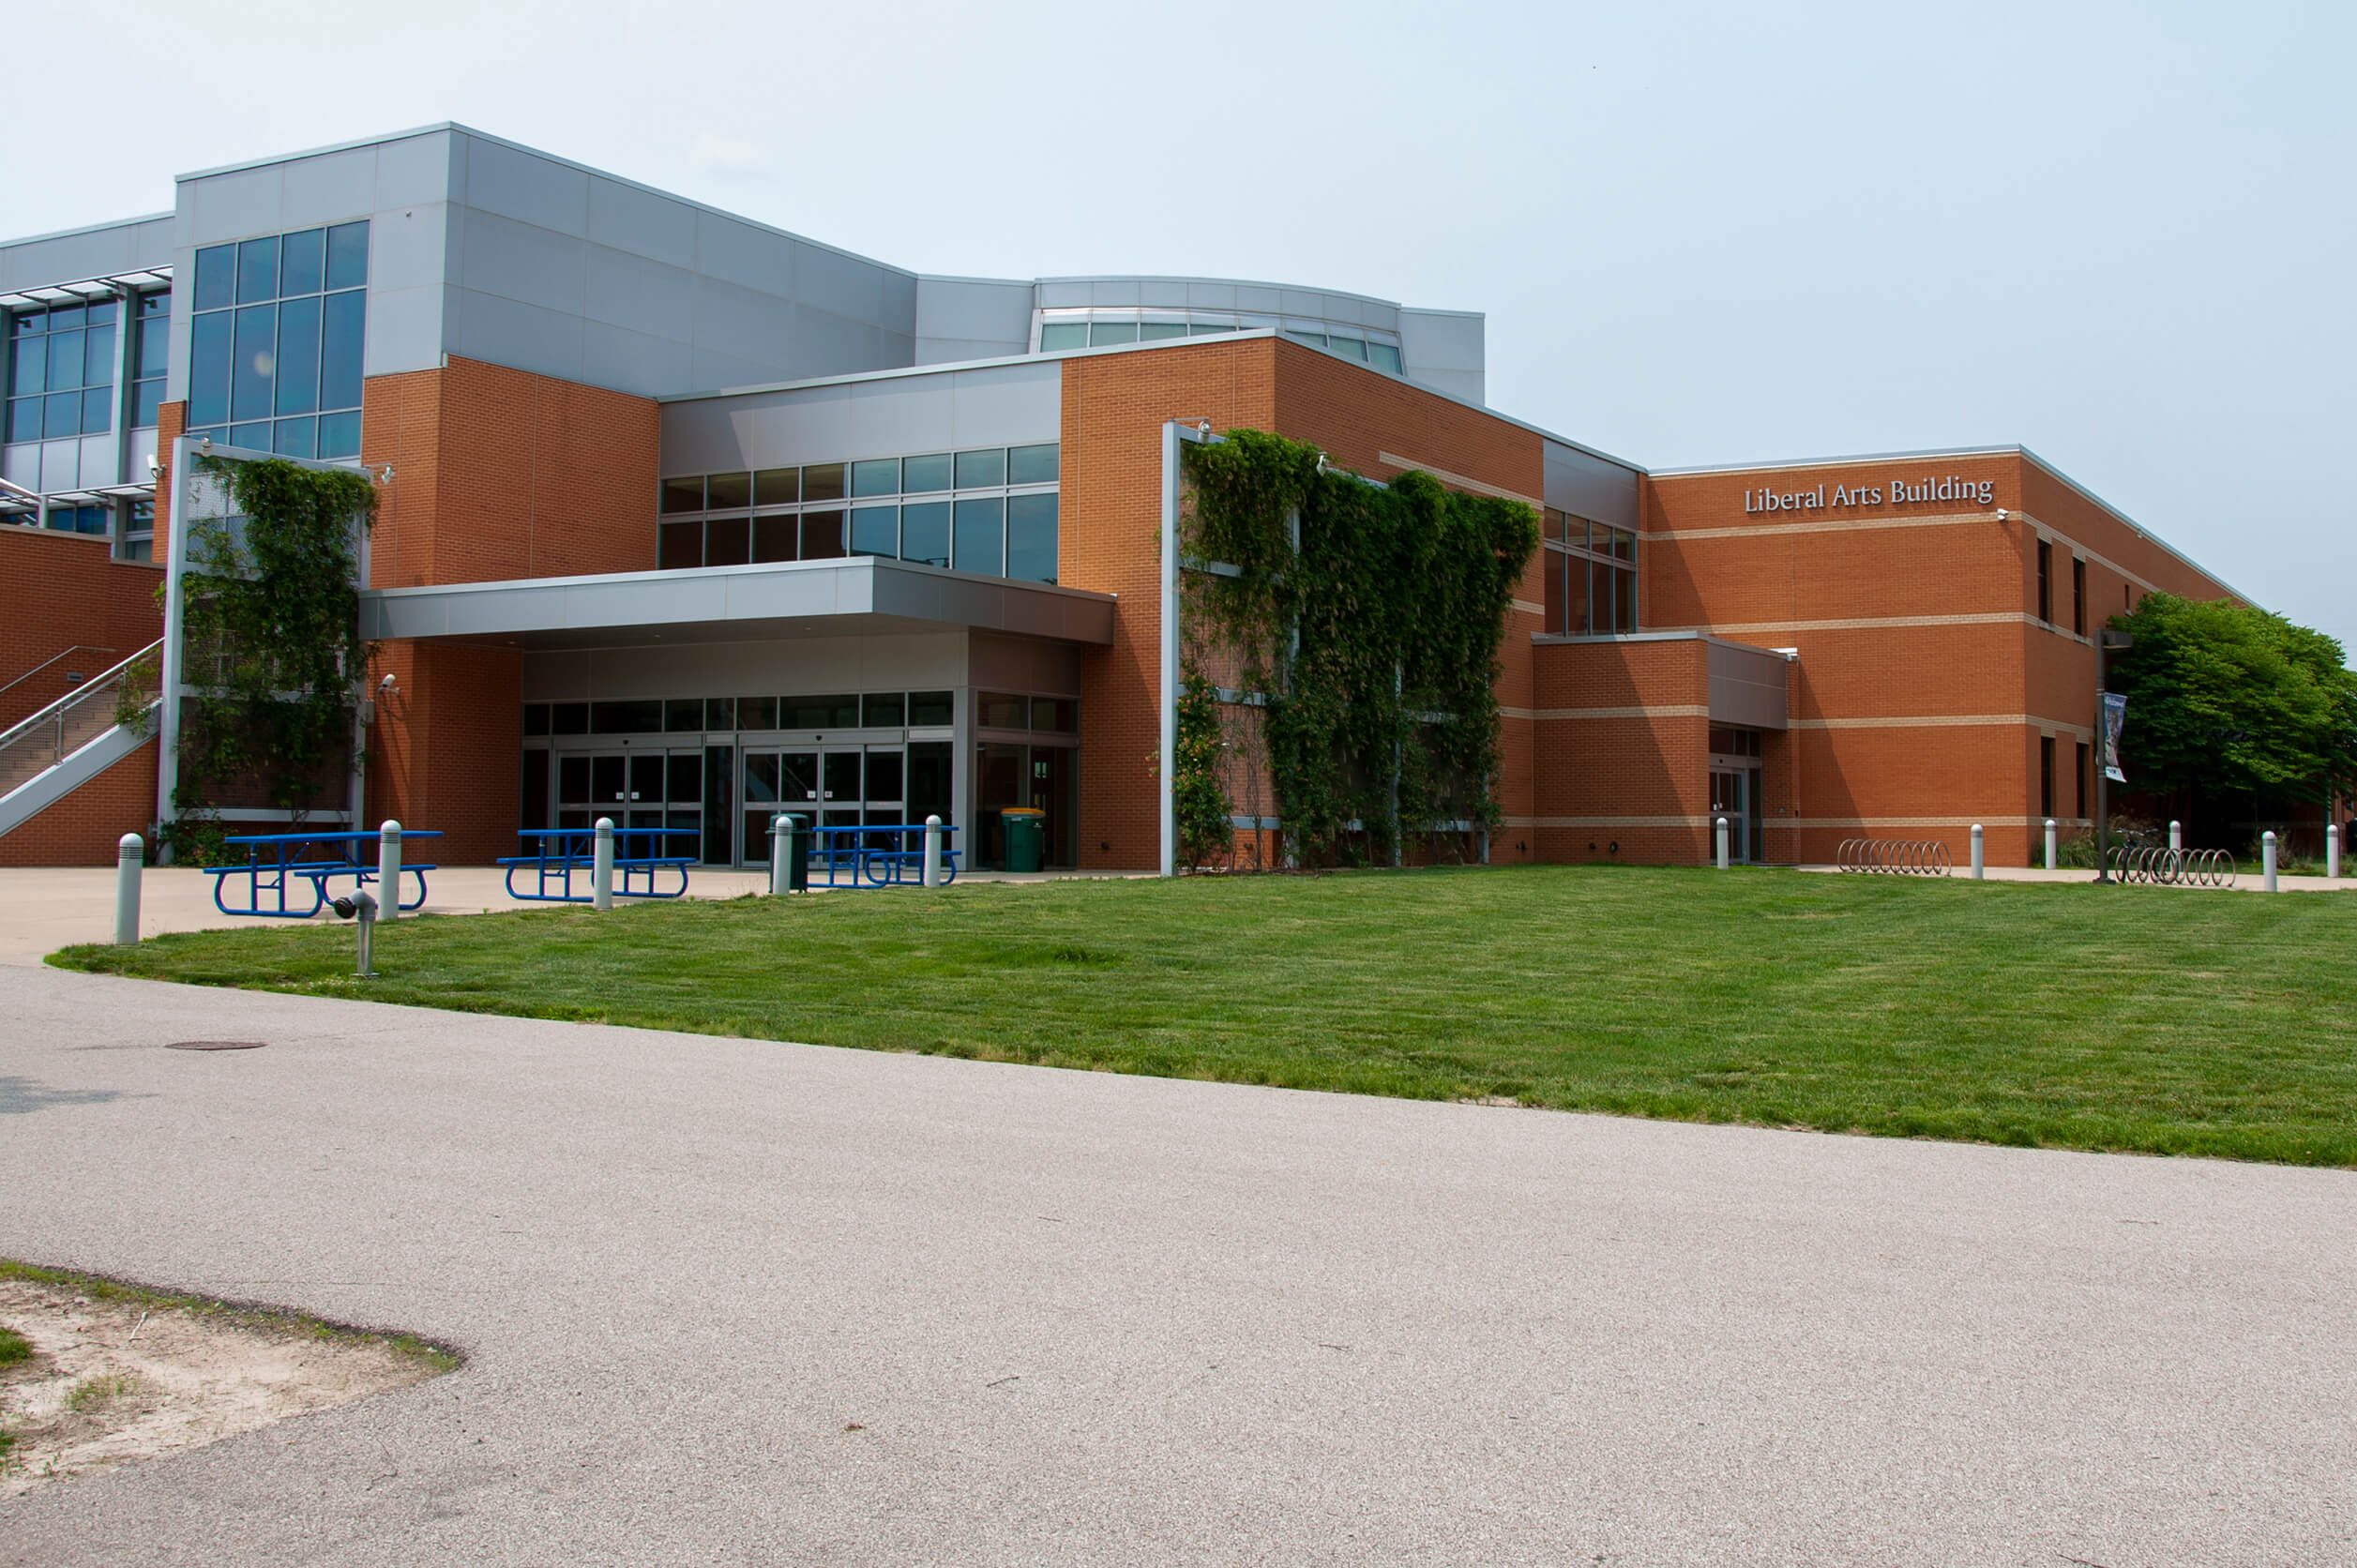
686,521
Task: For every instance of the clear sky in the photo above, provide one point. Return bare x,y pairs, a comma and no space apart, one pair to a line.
2121,235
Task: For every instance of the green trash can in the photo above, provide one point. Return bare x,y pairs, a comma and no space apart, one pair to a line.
1026,836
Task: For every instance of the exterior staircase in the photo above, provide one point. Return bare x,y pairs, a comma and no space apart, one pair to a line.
48,755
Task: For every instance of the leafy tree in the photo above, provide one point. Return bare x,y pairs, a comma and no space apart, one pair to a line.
2226,699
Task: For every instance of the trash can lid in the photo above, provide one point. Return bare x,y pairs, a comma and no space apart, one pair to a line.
1020,811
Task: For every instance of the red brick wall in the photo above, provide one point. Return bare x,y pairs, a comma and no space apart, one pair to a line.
83,828
447,749
1621,741
57,590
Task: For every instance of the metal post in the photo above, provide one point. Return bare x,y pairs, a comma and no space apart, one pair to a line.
1980,863
2332,850
780,868
601,872
2052,858
2267,858
2176,837
1722,843
794,845
388,868
932,851
365,908
129,855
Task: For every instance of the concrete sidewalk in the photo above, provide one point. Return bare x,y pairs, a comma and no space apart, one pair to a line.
730,1300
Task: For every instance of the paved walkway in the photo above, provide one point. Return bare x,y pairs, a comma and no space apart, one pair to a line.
736,1301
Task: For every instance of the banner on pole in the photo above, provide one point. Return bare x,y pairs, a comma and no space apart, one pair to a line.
2115,715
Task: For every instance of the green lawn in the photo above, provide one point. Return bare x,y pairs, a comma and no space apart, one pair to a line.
2129,1018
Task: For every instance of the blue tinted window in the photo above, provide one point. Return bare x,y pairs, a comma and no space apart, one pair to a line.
1033,465
981,543
155,341
298,357
294,438
877,477
876,531
65,318
1063,335
339,435
929,473
215,276
348,255
302,261
339,351
97,356
977,469
98,410
25,419
146,400
925,532
254,437
29,363
257,271
252,359
65,361
1031,537
208,368
60,414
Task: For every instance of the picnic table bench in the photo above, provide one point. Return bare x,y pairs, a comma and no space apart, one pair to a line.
285,875
556,856
881,854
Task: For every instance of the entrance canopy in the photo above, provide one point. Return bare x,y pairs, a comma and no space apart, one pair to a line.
732,604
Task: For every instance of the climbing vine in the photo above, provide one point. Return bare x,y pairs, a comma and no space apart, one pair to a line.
1365,619
270,624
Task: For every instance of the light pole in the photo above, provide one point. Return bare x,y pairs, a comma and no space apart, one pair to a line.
2107,643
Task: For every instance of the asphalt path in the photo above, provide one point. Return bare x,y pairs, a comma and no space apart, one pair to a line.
739,1302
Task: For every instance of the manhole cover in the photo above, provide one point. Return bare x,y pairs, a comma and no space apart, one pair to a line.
215,1045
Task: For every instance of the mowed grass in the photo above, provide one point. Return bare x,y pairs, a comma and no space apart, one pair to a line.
2158,1020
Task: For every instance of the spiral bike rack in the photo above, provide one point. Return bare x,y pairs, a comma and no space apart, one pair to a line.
2165,867
1896,857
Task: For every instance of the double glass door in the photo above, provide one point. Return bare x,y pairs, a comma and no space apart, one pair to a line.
826,786
1735,795
651,788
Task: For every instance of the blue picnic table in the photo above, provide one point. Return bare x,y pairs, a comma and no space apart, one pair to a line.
554,856
285,876
880,854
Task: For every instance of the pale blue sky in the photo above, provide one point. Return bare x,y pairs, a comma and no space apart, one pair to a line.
2119,235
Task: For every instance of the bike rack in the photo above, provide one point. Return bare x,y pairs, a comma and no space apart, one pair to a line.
1894,857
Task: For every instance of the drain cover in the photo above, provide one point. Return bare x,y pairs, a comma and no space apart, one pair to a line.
215,1045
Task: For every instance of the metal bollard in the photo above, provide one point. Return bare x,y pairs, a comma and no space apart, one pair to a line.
2267,858
601,869
932,851
2051,858
1980,862
780,846
129,854
388,869
2332,850
2176,837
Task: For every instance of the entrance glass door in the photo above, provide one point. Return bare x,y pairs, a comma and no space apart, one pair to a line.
653,788
1730,793
775,781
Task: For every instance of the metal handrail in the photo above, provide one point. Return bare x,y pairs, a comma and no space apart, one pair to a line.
54,714
77,648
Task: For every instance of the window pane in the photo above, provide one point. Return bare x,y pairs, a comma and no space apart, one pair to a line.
1031,537
925,532
776,487
876,531
822,481
981,543
66,318
249,379
821,535
719,713
97,356
1383,357
25,419
27,324
154,345
1063,334
930,709
295,438
302,261
775,538
102,313
29,366
348,255
339,349
684,495
728,541
921,475
98,410
1350,348
298,357
257,271
1318,338
1033,465
65,361
883,774
682,715
1551,565
884,709
987,467
1103,333
146,398
60,414
254,437
994,710
571,718
1205,330
757,713
208,368
1057,714
215,276
339,435
728,490
876,476
1155,332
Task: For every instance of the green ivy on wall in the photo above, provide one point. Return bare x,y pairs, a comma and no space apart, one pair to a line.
1369,616
270,626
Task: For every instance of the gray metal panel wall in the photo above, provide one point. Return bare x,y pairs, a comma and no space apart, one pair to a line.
131,246
783,667
1589,487
1747,686
889,416
1446,350
967,318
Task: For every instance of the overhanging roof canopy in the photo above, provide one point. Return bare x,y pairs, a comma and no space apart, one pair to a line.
862,594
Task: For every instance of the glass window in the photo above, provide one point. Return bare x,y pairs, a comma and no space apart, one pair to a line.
208,368
302,261
996,709
25,419
1033,465
295,438
1063,334
151,353
251,356
1158,332
719,713
536,718
1317,340
876,476
1056,715
256,437
821,535
67,354
1350,348
925,532
819,713
728,490
60,414
1383,357
884,709
257,271
569,718
757,713
680,545
683,713
777,536
776,487
876,531
919,476
215,276
728,541
637,717
340,434
1104,333
822,481
1205,330
1031,537
930,710
976,470
348,255
297,369
981,537
684,495
339,351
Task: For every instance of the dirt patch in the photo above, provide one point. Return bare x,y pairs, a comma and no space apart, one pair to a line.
117,1374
